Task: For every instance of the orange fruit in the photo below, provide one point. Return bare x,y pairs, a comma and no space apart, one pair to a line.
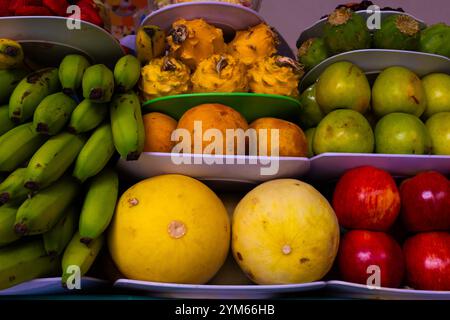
158,131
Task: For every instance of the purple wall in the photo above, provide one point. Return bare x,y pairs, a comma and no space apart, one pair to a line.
290,17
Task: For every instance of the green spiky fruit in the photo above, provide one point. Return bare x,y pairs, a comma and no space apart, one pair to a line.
345,31
312,52
436,39
400,32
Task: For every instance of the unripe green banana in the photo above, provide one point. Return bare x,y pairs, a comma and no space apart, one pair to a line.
25,261
7,219
21,143
98,83
95,154
11,54
9,79
127,73
13,188
127,125
57,239
71,71
99,205
40,213
87,116
80,255
53,113
30,92
50,162
150,43
6,123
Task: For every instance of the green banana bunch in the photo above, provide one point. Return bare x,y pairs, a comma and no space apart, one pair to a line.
150,43
25,261
127,125
81,255
7,218
42,212
96,215
127,73
53,113
95,154
87,116
98,83
11,54
50,162
13,188
30,92
9,79
6,123
71,71
19,143
57,239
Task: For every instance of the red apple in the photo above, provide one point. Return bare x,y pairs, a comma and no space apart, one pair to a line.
361,249
366,198
427,257
426,202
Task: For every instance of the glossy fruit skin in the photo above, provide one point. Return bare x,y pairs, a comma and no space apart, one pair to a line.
360,249
439,130
402,133
437,89
427,257
426,202
366,198
310,113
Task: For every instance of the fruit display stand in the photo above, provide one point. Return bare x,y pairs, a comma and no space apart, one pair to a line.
98,168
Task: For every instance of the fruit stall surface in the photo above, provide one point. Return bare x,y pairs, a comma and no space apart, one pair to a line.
224,149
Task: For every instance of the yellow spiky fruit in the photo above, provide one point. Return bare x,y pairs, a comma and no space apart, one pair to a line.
195,40
275,75
253,44
163,77
220,73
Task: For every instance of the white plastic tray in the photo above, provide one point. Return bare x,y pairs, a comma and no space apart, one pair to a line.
342,289
373,61
47,286
153,164
46,40
184,291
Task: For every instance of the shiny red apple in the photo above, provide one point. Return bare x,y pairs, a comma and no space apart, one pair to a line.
362,253
427,258
366,198
426,202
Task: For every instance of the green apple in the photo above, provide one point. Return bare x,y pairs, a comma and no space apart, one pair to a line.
398,89
439,128
343,131
310,112
402,133
343,85
310,138
437,89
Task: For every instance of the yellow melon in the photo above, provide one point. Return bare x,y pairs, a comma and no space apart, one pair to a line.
284,231
170,228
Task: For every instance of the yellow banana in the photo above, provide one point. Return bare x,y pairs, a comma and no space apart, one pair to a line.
13,189
99,205
6,123
57,239
80,255
40,213
127,125
71,71
30,92
95,154
9,79
50,162
87,116
7,218
11,54
25,261
150,43
53,113
126,73
98,83
21,143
